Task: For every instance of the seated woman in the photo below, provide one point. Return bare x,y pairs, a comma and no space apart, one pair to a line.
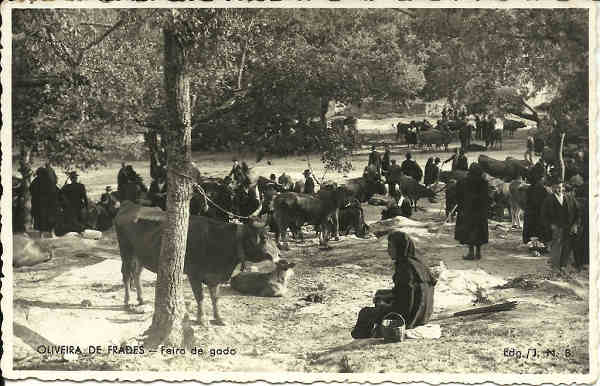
412,295
400,205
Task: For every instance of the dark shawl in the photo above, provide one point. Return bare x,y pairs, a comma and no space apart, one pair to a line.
44,201
413,283
472,197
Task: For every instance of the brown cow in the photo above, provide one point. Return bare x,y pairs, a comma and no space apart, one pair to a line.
213,251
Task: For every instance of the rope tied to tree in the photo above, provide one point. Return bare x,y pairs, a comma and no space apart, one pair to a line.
198,188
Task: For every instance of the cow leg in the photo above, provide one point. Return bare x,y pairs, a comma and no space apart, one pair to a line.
214,293
138,282
198,290
336,225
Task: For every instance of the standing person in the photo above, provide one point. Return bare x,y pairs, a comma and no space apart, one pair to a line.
459,160
158,191
559,210
51,173
529,149
411,168
122,179
472,198
432,171
444,114
309,183
375,160
237,173
76,201
44,202
394,173
413,292
385,161
535,230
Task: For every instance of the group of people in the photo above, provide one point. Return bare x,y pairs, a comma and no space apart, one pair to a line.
449,113
57,210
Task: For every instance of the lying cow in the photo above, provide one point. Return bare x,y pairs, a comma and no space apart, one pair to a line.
213,251
271,284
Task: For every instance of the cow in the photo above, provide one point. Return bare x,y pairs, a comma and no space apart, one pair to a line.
512,195
271,284
414,190
436,137
286,182
351,217
291,210
214,249
363,188
446,175
402,129
511,126
506,170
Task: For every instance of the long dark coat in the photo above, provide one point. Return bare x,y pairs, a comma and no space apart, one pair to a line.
153,195
385,162
533,223
411,168
44,201
375,160
309,185
432,173
472,197
74,201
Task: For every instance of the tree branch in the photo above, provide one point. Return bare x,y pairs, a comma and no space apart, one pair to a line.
116,26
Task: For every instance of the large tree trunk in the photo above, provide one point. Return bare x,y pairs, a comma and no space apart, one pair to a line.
169,309
23,223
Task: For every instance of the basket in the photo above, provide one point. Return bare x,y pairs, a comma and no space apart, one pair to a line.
393,327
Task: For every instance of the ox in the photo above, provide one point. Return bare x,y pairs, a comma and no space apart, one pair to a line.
436,137
291,210
511,126
507,170
213,250
363,188
351,217
410,187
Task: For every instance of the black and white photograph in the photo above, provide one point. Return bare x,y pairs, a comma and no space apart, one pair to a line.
300,191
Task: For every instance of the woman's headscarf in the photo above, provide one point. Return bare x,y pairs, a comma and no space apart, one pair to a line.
406,256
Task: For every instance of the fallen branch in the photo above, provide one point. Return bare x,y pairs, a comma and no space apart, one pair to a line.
507,306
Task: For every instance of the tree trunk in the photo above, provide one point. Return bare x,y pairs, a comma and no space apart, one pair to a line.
169,309
561,159
23,222
323,112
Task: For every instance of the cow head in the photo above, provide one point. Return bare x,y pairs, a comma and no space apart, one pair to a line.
258,246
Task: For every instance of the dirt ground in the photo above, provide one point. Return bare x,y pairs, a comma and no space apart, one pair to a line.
76,299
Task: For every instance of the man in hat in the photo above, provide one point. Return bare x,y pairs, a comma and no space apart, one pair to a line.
309,183
158,191
75,202
560,211
375,160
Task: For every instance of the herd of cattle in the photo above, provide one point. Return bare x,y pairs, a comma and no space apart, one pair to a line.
424,134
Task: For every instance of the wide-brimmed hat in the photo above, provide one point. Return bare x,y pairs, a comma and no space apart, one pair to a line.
109,188
437,160
306,172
